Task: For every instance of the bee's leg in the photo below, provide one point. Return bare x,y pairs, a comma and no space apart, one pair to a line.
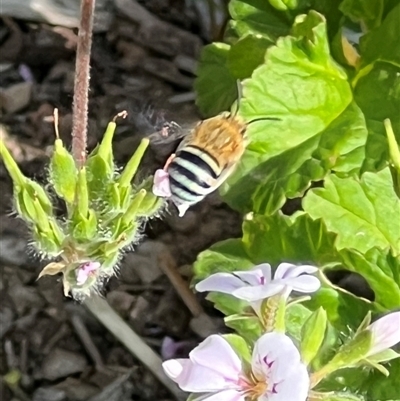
168,162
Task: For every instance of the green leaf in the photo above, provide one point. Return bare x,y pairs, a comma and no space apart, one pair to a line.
246,55
249,327
215,84
340,147
382,44
376,149
258,17
363,212
225,256
302,86
384,389
344,309
380,269
378,93
368,13
278,238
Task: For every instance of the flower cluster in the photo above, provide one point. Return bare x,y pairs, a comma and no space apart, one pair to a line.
219,369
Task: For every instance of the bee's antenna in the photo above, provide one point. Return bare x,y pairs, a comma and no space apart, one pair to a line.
236,105
263,119
240,95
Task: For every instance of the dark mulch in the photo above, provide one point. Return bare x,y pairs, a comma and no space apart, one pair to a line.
147,69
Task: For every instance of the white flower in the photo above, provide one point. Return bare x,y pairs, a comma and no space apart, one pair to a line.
215,371
256,284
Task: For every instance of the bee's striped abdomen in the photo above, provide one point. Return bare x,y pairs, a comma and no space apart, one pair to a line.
191,173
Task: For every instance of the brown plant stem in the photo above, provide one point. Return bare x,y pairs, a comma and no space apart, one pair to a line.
81,84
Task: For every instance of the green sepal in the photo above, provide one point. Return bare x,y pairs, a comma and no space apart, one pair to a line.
126,235
85,228
130,169
57,232
27,196
110,261
63,172
150,205
16,175
105,150
133,208
42,219
114,197
312,335
365,323
124,195
350,353
375,365
100,163
384,356
82,195
333,396
46,243
26,206
98,175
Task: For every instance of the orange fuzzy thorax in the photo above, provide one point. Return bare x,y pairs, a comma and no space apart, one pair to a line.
222,137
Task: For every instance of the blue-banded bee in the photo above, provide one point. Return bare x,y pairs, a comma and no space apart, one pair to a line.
203,161
205,158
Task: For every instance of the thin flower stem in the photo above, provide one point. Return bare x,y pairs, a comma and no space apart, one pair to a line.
81,85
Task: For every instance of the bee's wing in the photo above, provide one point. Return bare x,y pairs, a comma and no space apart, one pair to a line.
170,132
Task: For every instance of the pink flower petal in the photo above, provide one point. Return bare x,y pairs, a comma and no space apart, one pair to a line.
277,361
194,378
252,294
216,354
84,271
161,184
254,276
174,368
385,332
266,270
289,270
304,283
220,282
294,387
276,349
